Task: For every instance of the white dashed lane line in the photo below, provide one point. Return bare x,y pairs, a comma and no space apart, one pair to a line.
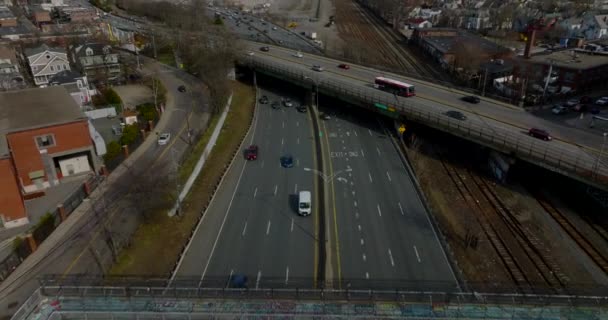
417,255
390,256
388,176
370,177
379,211
400,208
268,227
244,229
255,192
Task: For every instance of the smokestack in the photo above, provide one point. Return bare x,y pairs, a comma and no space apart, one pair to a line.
530,43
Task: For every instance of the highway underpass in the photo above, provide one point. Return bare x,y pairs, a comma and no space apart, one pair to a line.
503,127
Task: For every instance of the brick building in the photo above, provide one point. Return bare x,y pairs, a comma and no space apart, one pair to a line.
7,18
44,137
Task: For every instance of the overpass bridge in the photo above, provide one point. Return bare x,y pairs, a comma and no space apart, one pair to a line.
150,299
502,127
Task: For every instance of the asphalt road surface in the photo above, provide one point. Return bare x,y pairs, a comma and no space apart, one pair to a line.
385,235
252,227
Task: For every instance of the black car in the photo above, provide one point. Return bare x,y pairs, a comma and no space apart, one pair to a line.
287,103
302,109
181,88
276,105
456,115
264,100
265,49
471,99
287,161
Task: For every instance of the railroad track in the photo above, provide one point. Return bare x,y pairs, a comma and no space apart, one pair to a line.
527,261
394,39
594,254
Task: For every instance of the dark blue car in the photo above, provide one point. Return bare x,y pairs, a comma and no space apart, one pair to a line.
287,161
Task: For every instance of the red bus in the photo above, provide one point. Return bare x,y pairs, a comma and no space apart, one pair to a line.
396,87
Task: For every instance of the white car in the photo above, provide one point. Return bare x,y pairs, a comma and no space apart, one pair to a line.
602,101
298,54
274,28
250,53
572,102
317,68
559,109
163,139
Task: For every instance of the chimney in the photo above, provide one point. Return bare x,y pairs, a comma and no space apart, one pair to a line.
530,43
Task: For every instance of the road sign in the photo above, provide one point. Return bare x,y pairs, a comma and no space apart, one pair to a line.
402,128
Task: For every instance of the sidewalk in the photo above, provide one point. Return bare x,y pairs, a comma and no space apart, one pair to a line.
21,283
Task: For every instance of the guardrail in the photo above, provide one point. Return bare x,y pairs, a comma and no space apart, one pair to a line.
566,159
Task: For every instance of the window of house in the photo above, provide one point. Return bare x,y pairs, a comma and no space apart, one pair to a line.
45,141
52,69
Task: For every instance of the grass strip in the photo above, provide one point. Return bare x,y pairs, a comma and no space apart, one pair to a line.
158,242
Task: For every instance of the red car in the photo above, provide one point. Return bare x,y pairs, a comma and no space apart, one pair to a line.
344,66
539,134
251,153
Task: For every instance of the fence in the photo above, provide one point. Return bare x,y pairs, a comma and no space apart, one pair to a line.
129,296
564,158
40,232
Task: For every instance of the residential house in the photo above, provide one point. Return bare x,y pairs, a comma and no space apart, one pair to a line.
81,14
7,18
45,137
10,76
98,62
45,62
572,26
7,3
595,27
41,17
76,84
476,19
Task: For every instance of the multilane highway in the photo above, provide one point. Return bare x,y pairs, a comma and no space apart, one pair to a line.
377,229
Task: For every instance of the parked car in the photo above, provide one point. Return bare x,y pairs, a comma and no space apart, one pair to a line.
181,88
287,161
275,105
559,109
287,103
163,139
471,99
298,54
572,102
265,49
602,101
250,53
580,107
251,153
302,109
325,116
274,28
344,66
456,115
264,100
317,68
539,134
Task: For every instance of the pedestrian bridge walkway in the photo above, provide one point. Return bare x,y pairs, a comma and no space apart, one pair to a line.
174,303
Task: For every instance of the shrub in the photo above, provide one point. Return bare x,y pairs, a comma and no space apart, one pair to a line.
147,111
129,134
113,150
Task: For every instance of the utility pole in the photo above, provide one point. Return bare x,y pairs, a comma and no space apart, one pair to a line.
548,77
485,79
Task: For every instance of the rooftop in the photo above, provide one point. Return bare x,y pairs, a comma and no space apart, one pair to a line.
8,53
35,108
570,59
65,76
6,13
447,37
42,48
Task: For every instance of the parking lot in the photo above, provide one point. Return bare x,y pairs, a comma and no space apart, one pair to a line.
583,112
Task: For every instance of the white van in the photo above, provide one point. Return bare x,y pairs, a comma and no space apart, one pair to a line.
304,203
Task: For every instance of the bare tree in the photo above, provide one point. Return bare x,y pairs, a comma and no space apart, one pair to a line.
467,57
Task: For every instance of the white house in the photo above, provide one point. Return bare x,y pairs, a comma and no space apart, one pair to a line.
76,84
595,27
45,62
573,25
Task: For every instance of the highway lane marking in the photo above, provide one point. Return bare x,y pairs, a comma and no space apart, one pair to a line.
282,141
355,204
355,131
366,275
370,132
298,141
362,241
229,278
262,165
388,176
390,256
297,123
342,141
295,188
255,192
378,151
244,229
359,227
417,255
379,211
362,153
257,281
291,229
343,147
297,162
276,187
283,124
400,208
364,257
370,177
268,227
286,275
357,217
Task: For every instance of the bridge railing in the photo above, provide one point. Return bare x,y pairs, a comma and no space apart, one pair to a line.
569,159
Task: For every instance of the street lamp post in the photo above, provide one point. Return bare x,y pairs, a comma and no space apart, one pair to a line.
325,178
599,157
